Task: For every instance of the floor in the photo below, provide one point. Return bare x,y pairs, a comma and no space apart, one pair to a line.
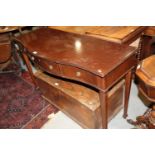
136,107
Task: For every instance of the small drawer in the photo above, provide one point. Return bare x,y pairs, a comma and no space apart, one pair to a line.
80,75
47,66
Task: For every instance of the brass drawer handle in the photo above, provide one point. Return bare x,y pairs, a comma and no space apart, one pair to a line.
78,74
50,67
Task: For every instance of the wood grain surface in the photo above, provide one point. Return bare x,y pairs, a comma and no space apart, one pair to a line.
118,34
88,53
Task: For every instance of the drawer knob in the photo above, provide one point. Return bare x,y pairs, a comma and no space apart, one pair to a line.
32,58
99,70
90,103
78,74
34,52
16,46
56,84
51,67
138,66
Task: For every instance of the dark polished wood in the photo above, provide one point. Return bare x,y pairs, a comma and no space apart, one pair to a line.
116,34
27,62
92,61
104,108
128,78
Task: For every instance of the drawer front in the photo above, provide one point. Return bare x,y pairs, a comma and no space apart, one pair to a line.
47,66
79,75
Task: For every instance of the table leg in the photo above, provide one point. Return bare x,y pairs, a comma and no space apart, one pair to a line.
128,79
29,69
104,108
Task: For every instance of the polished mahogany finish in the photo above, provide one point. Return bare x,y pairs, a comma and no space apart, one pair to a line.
85,53
118,34
95,62
146,75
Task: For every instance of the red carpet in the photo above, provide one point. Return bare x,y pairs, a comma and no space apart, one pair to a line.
21,105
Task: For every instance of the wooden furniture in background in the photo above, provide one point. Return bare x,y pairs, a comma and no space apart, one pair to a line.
5,51
118,34
92,62
146,85
146,76
148,42
4,29
6,33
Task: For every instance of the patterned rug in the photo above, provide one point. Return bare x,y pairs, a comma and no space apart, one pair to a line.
21,105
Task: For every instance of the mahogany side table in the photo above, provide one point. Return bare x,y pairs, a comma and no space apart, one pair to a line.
92,61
